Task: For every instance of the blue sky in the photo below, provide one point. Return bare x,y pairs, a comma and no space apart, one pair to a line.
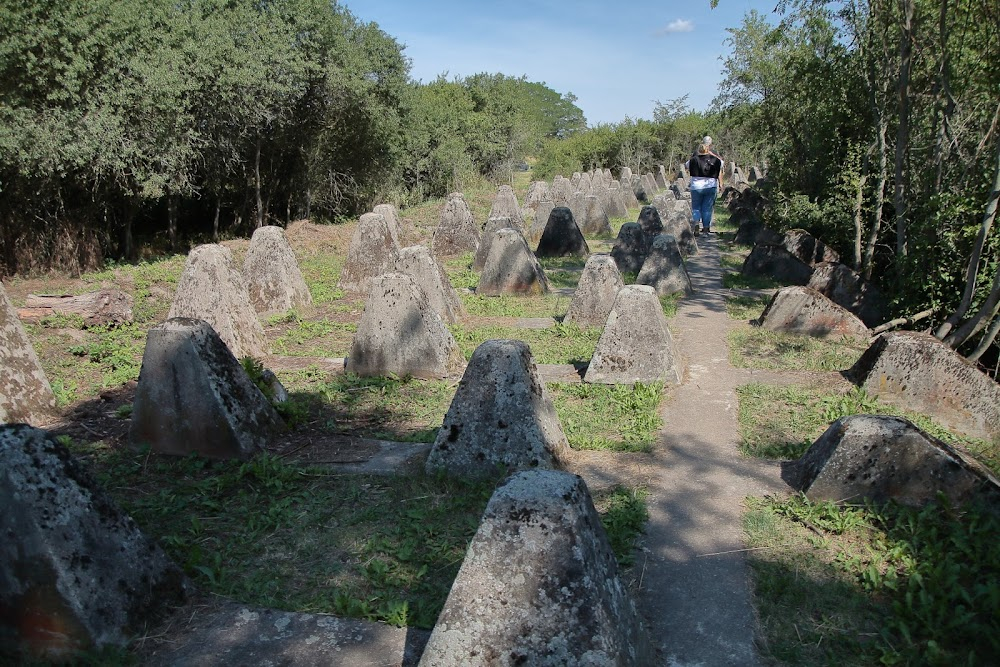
616,57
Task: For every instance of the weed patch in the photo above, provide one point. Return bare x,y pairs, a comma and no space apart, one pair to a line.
759,348
617,418
624,516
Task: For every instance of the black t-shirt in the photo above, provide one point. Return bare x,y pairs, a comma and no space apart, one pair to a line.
705,165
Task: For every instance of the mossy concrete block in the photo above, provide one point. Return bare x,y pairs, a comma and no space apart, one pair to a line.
916,371
802,310
271,273
636,344
418,263
881,458
501,415
372,252
511,267
664,268
212,289
194,397
25,393
457,231
76,573
539,586
400,334
562,236
596,292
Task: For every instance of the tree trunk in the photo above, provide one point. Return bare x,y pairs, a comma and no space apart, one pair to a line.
172,220
883,175
859,200
215,219
129,240
903,128
256,173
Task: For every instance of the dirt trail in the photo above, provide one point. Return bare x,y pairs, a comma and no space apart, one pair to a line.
694,581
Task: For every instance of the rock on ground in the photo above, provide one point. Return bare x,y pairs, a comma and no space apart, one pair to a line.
400,334
880,458
918,372
418,263
212,289
271,272
193,396
596,292
802,310
372,252
636,344
76,573
501,415
511,267
539,586
664,268
25,392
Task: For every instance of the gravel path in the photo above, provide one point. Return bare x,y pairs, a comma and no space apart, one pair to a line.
694,582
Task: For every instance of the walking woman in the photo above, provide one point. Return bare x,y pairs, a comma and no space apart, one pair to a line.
705,168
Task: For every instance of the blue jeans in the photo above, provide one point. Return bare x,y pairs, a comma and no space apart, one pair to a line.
702,203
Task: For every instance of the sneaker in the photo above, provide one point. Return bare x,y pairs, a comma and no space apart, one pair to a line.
706,230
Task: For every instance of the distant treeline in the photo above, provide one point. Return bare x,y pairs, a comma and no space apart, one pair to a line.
125,123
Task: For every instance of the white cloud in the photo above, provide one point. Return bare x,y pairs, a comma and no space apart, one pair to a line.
677,25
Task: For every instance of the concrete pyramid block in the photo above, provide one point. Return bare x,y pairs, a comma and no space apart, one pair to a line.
77,573
805,311
881,458
626,175
636,345
194,396
538,191
562,236
651,223
918,372
212,289
629,251
846,287
542,213
577,205
614,205
664,268
372,252
392,221
25,393
501,415
271,273
594,221
493,225
457,231
418,263
511,268
627,193
596,292
562,191
400,334
586,184
539,585
505,206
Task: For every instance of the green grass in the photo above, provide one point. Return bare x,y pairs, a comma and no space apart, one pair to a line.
624,515
783,422
315,338
509,305
617,418
759,348
745,308
322,273
874,585
560,344
736,280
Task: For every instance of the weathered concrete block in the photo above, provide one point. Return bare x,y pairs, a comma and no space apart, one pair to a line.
539,586
493,225
538,191
805,311
650,185
212,289
505,205
457,232
585,184
845,286
562,191
271,273
418,263
675,216
25,393
562,236
76,573
651,223
194,396
664,268
596,292
501,415
774,261
372,252
400,334
629,251
918,372
542,213
636,345
660,176
393,222
807,248
880,458
511,268
616,205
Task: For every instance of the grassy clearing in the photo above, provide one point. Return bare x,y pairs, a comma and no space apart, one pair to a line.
861,586
609,417
782,422
759,348
746,308
560,344
314,338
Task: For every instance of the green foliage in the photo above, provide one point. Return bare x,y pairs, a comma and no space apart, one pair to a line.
559,344
624,516
117,353
756,347
609,417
